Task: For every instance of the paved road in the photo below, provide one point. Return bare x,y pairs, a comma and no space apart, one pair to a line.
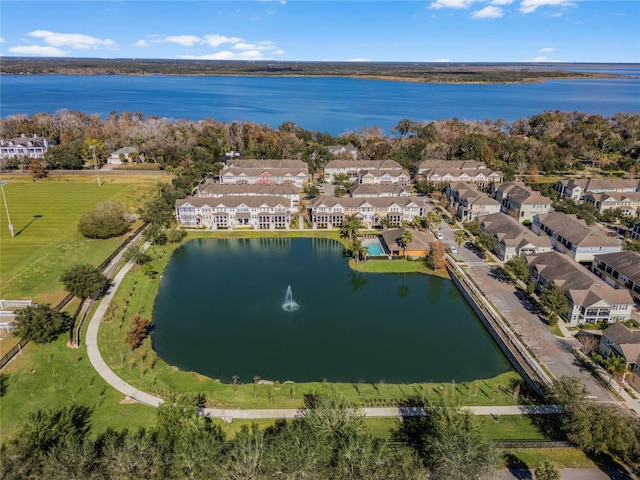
555,352
569,474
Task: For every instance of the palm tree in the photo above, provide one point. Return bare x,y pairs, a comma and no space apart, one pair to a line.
433,218
357,250
459,236
405,239
617,367
350,227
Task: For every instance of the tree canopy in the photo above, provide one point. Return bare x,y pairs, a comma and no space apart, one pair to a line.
85,281
40,323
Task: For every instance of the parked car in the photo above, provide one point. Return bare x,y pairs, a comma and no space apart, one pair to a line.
439,236
453,249
482,255
470,245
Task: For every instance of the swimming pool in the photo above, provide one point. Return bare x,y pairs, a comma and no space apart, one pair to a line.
373,247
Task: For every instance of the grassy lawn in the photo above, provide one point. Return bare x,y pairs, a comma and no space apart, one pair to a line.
396,266
45,216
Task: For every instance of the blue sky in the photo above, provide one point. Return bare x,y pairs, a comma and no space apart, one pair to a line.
308,30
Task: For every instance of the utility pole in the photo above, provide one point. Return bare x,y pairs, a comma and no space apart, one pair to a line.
95,162
2,184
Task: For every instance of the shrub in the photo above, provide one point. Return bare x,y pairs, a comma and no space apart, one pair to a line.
105,221
85,281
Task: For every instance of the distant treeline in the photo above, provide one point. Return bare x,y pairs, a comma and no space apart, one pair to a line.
550,142
419,72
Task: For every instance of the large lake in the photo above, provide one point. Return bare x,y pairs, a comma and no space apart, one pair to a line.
333,105
219,312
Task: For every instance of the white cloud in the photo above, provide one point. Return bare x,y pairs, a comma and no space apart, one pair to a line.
452,3
488,12
501,2
530,6
244,46
72,40
1,40
358,60
441,60
38,50
184,40
547,50
227,55
217,40
142,43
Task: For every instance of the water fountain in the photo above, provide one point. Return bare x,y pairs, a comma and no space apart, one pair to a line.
289,304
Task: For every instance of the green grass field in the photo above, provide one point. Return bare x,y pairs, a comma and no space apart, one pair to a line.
45,216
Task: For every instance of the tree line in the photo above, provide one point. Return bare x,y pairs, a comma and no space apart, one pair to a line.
552,141
328,440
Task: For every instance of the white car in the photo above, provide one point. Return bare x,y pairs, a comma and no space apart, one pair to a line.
439,236
453,249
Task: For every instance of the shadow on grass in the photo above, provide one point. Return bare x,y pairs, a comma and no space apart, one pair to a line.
612,468
35,217
518,468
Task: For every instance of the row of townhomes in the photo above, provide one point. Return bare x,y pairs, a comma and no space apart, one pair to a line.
24,146
577,189
591,299
603,193
620,270
389,190
211,189
454,171
367,171
469,204
573,237
233,211
520,201
256,172
328,211
635,234
511,238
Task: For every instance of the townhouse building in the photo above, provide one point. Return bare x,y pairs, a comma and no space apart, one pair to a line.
635,233
627,202
511,238
352,168
573,237
591,299
23,146
520,201
381,190
468,203
620,270
230,212
384,177
576,188
211,189
329,212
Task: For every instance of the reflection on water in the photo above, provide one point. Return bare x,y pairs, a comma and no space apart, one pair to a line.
219,311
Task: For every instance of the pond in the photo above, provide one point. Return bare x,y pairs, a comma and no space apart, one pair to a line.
219,312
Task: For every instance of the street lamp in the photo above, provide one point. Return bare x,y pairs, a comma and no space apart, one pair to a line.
95,162
2,184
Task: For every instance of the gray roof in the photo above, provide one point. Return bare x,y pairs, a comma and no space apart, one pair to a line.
451,164
511,232
627,342
364,164
578,283
625,262
591,184
255,172
351,202
211,188
267,164
234,201
393,188
575,230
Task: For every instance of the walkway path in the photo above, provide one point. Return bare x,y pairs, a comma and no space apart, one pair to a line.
93,352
